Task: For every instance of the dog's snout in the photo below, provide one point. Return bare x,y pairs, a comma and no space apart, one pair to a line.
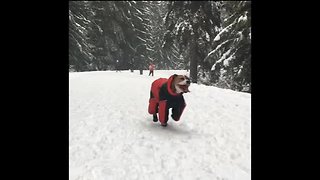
188,81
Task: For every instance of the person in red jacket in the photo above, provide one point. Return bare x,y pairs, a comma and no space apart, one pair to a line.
151,68
166,94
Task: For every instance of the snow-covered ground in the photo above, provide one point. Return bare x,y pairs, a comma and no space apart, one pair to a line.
112,136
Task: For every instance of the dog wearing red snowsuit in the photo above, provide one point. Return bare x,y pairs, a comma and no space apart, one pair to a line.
166,94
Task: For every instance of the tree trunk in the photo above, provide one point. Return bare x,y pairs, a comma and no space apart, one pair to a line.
193,61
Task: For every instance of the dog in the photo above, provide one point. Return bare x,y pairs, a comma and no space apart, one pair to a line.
166,94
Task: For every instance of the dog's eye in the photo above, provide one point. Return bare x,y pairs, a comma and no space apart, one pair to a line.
182,78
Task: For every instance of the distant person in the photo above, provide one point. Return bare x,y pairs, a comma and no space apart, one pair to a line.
151,68
117,66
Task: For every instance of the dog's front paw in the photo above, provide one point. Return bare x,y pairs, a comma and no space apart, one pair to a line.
155,118
164,124
174,118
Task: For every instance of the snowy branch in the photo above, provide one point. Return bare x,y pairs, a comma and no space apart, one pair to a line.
226,29
218,47
223,57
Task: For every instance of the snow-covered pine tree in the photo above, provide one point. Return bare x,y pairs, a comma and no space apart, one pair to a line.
230,57
141,39
103,31
190,26
155,11
114,21
80,51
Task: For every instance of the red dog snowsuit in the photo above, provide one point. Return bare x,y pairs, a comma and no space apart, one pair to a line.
162,98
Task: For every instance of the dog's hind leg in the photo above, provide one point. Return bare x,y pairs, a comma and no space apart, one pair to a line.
155,118
153,107
163,112
153,104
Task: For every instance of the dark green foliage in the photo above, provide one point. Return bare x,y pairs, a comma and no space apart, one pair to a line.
232,58
109,31
80,55
212,39
189,26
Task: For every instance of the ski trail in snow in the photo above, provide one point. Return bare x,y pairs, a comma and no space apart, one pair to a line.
112,136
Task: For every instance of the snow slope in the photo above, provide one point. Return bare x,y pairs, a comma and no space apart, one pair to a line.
112,136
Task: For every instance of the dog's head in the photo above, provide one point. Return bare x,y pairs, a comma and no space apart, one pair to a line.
180,84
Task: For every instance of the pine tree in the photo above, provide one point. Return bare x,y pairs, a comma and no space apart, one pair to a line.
80,52
211,38
155,11
189,27
106,31
231,54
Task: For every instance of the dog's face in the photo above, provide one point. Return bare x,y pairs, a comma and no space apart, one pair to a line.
180,84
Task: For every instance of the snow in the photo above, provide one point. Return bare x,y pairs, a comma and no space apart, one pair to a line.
217,38
143,32
207,37
79,27
226,29
149,49
213,67
222,58
213,51
240,70
178,26
243,18
139,18
141,39
240,35
226,61
100,30
139,11
112,136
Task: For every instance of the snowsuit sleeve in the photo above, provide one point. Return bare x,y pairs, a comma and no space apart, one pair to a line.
178,109
167,101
